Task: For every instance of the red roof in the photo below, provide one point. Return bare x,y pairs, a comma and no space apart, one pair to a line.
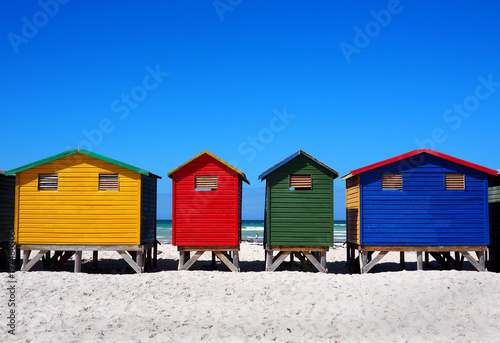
421,151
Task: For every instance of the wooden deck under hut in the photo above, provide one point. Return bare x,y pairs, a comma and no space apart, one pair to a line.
81,201
7,208
422,201
206,215
298,219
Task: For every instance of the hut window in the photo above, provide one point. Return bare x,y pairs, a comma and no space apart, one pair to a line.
47,182
205,182
108,182
454,181
300,182
392,181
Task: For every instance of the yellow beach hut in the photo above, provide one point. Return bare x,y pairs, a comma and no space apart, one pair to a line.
81,201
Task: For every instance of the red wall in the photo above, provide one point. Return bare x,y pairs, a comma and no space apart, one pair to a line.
206,218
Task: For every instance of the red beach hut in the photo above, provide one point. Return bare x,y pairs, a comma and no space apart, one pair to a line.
206,213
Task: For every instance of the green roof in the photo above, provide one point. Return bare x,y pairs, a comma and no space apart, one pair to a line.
83,152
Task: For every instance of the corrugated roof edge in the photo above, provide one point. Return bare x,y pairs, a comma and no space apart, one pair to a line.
83,152
417,152
291,157
212,155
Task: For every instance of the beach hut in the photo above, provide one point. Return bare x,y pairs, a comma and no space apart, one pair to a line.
299,211
7,196
494,210
421,201
81,201
206,213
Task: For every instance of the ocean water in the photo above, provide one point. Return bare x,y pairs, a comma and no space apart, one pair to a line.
251,230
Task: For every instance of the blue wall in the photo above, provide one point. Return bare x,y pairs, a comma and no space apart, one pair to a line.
424,213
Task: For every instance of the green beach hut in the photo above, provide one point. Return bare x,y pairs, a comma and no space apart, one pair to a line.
494,213
299,211
7,206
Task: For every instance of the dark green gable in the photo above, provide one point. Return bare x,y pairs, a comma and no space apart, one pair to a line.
299,217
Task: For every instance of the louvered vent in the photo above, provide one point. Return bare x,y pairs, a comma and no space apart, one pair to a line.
47,182
454,181
392,181
300,181
206,182
108,182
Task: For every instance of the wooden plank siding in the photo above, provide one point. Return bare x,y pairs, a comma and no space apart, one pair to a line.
78,213
206,218
7,207
494,213
148,209
352,209
299,217
423,212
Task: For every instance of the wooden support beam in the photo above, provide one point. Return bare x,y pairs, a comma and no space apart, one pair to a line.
401,260
208,248
28,265
140,260
192,260
440,248
303,260
26,256
223,257
314,261
419,260
426,257
236,260
480,267
269,259
373,262
323,261
95,259
278,261
181,260
363,260
130,261
296,248
78,261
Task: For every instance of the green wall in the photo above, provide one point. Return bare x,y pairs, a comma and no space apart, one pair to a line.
299,217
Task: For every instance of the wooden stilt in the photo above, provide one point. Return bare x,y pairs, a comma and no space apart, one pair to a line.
269,259
401,260
303,260
33,261
472,261
279,260
373,262
481,259
140,261
192,260
95,259
314,261
182,256
214,264
323,261
130,261
236,260
26,256
426,259
226,261
419,261
78,261
363,260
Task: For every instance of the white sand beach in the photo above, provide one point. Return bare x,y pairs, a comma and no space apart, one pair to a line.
112,304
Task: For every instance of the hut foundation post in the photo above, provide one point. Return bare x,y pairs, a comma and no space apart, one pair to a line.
95,258
140,261
402,260
419,261
26,256
363,261
269,259
236,260
181,260
78,261
323,261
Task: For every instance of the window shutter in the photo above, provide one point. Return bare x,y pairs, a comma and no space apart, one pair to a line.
301,181
47,182
392,181
206,182
454,181
108,182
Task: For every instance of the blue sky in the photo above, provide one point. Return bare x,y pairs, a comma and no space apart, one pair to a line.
155,83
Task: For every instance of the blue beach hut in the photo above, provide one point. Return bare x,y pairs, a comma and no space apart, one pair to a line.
421,201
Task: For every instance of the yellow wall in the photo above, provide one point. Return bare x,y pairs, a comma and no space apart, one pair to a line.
78,213
353,208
